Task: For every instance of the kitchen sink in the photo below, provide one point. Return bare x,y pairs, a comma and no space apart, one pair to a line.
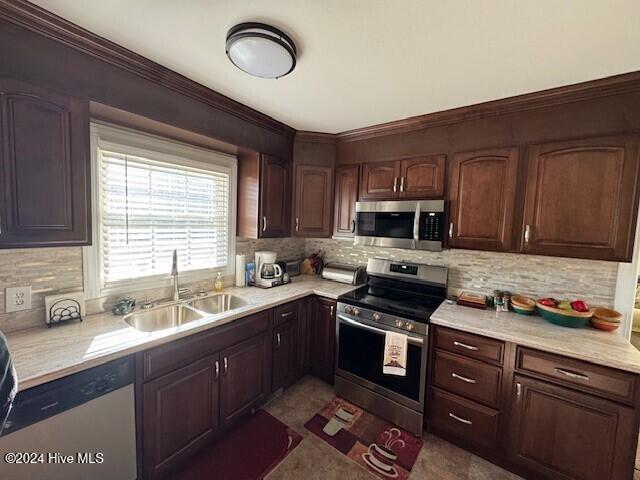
218,303
161,318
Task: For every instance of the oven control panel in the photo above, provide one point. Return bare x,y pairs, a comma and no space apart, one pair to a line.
373,317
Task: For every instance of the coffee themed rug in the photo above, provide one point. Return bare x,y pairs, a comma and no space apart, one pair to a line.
380,447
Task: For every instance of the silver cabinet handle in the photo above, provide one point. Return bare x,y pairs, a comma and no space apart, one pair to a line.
459,419
297,224
225,366
527,233
566,373
278,340
286,314
217,369
332,310
402,184
264,223
464,345
395,184
518,390
464,379
451,230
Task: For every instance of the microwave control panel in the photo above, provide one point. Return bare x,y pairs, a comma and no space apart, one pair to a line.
431,226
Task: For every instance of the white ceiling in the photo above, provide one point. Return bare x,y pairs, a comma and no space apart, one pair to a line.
364,62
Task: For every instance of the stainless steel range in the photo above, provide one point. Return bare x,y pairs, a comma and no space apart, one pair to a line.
398,297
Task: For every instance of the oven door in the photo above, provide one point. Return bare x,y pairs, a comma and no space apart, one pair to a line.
360,356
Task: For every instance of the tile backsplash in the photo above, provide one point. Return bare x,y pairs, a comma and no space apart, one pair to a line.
592,280
59,270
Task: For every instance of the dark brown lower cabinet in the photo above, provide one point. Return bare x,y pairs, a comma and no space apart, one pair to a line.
243,382
180,414
562,434
541,415
283,370
323,338
194,388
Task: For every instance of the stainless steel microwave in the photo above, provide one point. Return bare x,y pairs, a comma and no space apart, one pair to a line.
403,224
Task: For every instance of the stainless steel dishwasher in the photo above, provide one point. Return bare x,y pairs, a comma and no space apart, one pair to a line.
78,427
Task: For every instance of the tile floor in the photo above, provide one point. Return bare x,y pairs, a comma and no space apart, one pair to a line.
314,459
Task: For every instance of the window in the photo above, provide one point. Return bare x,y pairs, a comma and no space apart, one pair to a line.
151,196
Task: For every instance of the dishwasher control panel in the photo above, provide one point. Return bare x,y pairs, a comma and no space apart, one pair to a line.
41,402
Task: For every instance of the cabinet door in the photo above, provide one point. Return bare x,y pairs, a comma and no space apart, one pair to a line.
243,379
559,433
323,335
283,370
581,198
275,197
346,197
180,414
302,338
422,177
482,198
45,170
314,190
380,180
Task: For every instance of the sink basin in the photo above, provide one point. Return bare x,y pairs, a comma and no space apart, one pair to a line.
161,318
218,303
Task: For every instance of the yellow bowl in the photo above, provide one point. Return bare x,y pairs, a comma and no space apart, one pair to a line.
607,315
523,303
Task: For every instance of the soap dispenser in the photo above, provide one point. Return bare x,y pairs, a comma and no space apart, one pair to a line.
218,285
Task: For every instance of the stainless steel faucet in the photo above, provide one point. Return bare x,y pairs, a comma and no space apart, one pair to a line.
174,274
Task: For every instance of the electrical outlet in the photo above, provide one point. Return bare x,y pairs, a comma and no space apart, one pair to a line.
17,298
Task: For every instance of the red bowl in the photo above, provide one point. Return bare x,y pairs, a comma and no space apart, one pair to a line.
605,326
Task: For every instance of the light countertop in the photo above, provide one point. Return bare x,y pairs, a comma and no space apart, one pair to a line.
44,354
603,348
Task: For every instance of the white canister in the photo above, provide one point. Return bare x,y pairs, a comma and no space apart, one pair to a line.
241,265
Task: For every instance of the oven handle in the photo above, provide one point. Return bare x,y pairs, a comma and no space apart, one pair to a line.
415,340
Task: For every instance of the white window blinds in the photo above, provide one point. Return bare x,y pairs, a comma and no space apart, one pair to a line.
147,209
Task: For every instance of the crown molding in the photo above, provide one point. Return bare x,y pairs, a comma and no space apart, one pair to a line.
615,85
315,137
42,22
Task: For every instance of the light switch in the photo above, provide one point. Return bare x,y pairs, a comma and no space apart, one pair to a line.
17,298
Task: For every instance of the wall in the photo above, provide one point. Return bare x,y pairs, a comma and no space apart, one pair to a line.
59,270
594,281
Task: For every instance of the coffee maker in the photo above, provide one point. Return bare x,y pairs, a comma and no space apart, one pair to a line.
268,272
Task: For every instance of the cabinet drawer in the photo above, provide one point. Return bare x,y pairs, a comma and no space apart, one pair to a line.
468,378
603,381
285,313
175,354
470,345
466,420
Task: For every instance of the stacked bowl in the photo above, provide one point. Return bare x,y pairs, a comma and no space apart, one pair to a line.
605,319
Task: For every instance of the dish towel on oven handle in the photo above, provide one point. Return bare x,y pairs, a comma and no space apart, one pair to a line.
395,354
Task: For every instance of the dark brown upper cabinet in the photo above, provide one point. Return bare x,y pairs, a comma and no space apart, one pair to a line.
581,198
312,205
264,196
346,196
379,180
422,177
45,170
417,177
482,195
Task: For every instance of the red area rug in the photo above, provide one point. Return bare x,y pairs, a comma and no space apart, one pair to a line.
248,452
382,448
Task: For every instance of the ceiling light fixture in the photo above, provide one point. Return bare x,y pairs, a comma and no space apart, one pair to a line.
261,50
